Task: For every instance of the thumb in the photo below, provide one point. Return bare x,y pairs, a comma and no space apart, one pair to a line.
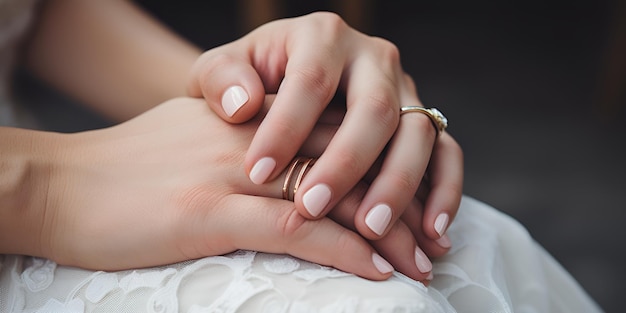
229,83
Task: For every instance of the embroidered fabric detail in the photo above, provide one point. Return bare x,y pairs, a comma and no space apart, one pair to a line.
281,265
53,305
100,286
493,266
39,275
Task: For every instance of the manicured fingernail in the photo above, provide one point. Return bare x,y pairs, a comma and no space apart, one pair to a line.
262,170
233,99
441,223
422,262
378,218
381,264
444,242
316,199
430,276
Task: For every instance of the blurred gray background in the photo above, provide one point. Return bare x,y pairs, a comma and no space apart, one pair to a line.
534,91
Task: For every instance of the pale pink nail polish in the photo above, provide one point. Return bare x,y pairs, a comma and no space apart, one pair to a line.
233,99
441,223
381,264
262,170
444,242
316,199
422,262
378,218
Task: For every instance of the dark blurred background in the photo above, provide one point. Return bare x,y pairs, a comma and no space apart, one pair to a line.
534,91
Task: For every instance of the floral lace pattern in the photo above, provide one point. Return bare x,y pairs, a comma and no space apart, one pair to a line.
242,280
494,266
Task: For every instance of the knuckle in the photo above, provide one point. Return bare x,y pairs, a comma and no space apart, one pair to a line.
331,20
350,163
212,64
290,225
389,51
215,61
329,25
287,134
404,181
318,81
345,240
380,104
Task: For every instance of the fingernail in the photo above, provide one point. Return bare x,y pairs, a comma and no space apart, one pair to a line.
378,218
381,264
233,99
430,276
316,199
262,170
441,222
444,242
422,262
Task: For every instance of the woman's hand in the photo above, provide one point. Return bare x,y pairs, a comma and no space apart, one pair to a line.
169,186
307,61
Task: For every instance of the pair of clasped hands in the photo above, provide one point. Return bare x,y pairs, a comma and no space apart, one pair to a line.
202,175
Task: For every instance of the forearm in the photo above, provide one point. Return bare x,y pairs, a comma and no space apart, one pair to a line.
109,55
24,177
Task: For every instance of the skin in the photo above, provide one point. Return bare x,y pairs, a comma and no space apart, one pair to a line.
119,61
163,187
306,66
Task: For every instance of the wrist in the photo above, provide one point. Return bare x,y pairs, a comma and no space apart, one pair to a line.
27,161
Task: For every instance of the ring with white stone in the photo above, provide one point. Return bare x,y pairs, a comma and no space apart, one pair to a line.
436,117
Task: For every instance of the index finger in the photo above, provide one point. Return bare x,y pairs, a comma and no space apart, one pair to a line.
312,75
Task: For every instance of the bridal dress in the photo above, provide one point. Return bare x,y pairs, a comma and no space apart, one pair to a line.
494,265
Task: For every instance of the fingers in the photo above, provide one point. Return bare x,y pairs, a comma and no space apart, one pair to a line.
318,53
446,186
312,75
399,246
273,226
371,119
402,169
230,84
400,175
413,219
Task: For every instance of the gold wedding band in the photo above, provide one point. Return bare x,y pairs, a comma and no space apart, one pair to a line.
436,117
298,168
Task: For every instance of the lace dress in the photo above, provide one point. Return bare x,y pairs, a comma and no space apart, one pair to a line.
494,266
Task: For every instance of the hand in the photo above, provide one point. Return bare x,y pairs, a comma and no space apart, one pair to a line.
306,60
168,186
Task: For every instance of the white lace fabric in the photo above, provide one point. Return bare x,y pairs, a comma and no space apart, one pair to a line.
494,266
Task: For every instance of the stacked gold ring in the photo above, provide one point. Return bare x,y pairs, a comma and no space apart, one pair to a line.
436,117
298,168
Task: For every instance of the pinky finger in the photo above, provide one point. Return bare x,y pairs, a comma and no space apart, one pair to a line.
446,186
